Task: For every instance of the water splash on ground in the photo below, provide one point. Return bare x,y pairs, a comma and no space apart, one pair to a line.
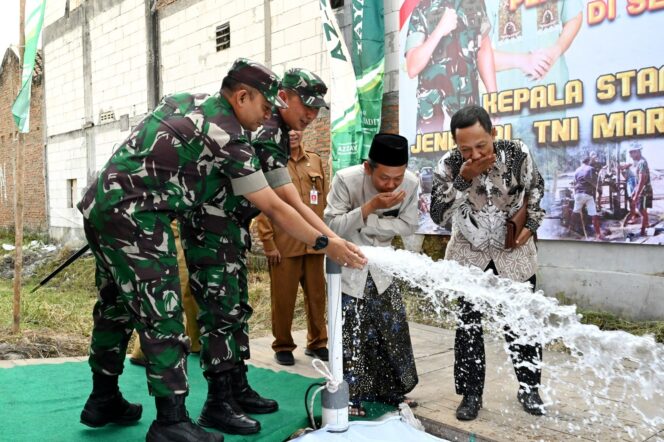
612,370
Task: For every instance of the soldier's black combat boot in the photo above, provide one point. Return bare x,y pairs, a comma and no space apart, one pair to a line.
173,423
106,404
221,411
247,397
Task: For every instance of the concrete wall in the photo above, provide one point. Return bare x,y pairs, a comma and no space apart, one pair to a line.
189,60
624,279
96,58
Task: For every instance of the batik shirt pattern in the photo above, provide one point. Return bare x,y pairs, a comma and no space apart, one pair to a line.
480,209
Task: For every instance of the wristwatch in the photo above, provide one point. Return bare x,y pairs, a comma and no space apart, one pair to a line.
321,242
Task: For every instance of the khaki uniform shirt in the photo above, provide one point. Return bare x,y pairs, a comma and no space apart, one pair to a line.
307,174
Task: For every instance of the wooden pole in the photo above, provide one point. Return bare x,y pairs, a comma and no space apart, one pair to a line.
18,188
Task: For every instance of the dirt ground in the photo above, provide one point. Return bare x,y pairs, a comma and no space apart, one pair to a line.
56,320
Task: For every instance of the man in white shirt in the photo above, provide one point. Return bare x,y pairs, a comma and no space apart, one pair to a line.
369,204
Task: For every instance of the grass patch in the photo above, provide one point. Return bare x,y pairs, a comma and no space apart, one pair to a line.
56,320
608,321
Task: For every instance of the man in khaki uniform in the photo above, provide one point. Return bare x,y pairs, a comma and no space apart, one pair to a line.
293,263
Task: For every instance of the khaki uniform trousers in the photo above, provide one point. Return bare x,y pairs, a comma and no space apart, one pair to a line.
285,278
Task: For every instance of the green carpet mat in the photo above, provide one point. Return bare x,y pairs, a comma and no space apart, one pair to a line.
43,403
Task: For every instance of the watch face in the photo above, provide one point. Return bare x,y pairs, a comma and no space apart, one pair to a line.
321,242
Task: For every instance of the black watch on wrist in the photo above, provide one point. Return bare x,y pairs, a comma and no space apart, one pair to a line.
321,242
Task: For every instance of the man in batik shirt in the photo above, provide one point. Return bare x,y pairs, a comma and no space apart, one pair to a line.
480,185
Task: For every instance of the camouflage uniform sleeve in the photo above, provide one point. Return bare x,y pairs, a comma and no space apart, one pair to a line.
273,162
416,30
239,163
273,157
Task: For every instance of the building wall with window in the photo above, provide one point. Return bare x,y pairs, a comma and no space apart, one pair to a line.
96,88
109,61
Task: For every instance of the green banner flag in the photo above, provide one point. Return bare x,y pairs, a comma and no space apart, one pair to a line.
345,122
34,19
368,57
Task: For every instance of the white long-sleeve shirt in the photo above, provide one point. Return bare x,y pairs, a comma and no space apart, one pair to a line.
350,189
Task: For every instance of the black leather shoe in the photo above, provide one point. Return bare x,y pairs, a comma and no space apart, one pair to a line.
320,353
222,412
469,407
284,358
248,399
531,402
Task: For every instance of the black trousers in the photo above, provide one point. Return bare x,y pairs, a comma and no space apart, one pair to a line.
469,357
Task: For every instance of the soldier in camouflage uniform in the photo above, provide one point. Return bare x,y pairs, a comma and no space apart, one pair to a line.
448,45
304,92
219,277
190,150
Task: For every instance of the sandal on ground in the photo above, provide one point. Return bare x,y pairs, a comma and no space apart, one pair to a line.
356,409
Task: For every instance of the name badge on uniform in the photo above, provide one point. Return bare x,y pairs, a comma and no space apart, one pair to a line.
313,197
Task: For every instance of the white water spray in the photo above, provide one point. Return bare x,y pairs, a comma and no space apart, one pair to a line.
626,370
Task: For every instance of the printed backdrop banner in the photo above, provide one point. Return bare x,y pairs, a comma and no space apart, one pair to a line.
581,82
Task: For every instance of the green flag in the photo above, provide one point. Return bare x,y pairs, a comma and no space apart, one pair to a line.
345,122
34,19
368,56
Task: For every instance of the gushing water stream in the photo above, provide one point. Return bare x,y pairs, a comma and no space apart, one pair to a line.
613,370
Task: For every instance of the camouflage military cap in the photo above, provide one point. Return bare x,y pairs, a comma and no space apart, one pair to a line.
307,85
258,76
